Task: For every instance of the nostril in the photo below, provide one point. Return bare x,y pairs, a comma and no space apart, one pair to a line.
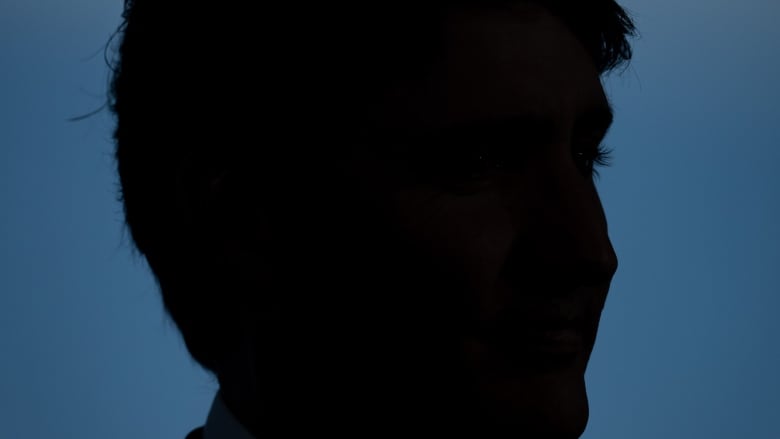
609,261
597,268
599,275
558,268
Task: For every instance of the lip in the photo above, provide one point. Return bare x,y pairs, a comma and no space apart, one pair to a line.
551,350
546,343
557,341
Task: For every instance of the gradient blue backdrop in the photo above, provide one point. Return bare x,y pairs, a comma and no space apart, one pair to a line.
688,346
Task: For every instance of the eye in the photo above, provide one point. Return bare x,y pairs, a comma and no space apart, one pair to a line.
465,163
468,164
589,159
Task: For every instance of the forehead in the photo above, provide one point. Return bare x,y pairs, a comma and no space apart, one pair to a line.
502,62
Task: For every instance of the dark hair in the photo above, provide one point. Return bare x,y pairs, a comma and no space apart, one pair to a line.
205,91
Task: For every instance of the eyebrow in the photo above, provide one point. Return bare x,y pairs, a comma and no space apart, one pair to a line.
594,121
532,125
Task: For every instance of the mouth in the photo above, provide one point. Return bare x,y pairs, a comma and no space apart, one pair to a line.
559,342
547,351
545,343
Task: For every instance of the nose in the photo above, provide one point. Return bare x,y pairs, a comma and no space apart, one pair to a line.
562,242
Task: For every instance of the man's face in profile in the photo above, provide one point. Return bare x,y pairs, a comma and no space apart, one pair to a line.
461,270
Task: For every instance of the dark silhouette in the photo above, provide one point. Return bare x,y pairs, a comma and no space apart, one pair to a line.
379,217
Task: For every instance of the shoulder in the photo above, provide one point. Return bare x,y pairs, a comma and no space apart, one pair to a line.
196,434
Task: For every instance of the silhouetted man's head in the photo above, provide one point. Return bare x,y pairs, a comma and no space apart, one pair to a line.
371,218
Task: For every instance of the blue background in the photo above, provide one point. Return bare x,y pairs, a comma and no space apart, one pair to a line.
688,345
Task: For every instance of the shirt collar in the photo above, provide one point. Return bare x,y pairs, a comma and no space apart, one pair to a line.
222,424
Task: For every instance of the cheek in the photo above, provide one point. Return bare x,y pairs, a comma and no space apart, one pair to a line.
470,235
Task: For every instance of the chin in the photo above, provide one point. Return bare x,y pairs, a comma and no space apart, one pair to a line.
550,405
527,396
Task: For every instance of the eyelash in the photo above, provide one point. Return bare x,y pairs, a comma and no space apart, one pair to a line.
600,157
463,173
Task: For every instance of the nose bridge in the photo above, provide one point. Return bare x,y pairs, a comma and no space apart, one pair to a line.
562,229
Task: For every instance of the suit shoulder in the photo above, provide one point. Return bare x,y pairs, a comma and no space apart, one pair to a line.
196,434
